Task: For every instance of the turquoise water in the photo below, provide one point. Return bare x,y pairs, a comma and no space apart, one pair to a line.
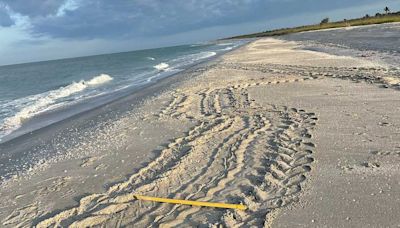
27,90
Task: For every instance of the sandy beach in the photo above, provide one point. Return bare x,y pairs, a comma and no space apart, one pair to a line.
302,138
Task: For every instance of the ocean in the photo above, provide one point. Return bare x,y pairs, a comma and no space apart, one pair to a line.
32,89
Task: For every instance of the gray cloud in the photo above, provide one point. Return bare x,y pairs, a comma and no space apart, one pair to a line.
34,8
5,19
123,19
144,18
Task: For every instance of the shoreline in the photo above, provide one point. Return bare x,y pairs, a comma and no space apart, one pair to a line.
70,111
32,138
266,125
111,107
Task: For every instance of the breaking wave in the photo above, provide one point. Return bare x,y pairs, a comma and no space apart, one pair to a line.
35,104
161,66
225,44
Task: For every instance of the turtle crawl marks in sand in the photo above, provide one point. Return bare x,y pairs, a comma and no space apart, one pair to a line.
238,152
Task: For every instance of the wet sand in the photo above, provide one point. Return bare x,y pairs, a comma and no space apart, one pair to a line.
302,138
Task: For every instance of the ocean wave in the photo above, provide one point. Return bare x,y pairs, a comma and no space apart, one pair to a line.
224,44
207,54
35,104
227,48
161,66
186,60
102,78
177,64
198,56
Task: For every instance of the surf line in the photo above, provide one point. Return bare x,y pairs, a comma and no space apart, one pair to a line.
192,203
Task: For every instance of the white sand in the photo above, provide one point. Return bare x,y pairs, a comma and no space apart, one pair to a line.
285,131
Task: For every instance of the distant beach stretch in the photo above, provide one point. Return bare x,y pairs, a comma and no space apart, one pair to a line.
301,130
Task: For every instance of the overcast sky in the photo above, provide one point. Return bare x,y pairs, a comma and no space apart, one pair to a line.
35,30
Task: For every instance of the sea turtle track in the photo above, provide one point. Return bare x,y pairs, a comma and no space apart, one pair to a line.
238,152
377,75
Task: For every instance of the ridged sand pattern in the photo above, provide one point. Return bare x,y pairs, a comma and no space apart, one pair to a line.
238,152
387,77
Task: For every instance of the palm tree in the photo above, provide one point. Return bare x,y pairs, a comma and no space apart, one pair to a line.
387,10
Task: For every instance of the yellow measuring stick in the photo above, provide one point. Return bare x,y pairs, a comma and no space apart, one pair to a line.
192,203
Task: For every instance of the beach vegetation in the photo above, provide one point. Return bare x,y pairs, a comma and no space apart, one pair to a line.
325,21
326,24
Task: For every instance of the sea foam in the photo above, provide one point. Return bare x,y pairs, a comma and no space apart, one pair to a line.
35,104
225,44
102,78
191,58
161,66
